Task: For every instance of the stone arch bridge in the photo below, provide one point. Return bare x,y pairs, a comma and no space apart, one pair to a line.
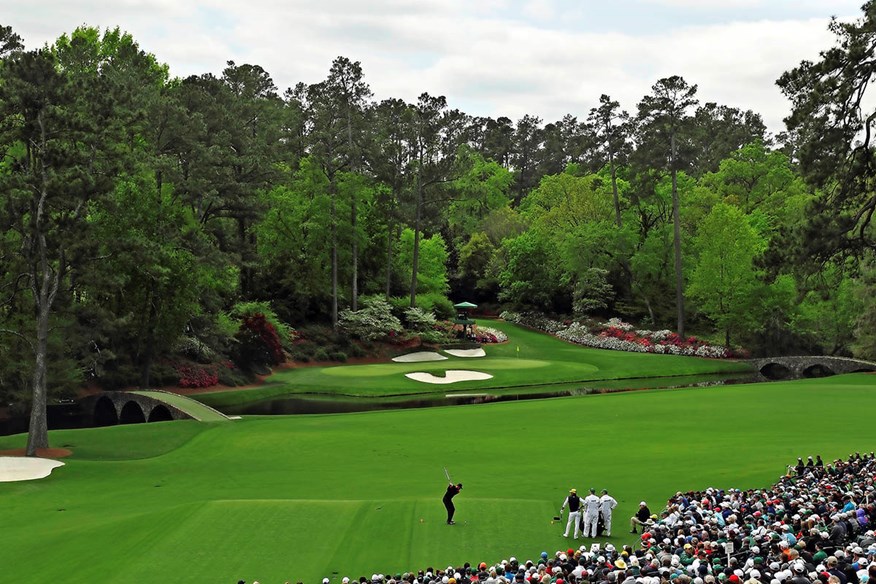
808,366
109,408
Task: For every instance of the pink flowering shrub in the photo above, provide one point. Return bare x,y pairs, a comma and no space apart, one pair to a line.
196,376
621,336
486,335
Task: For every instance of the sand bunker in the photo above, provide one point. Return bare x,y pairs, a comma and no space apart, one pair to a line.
15,468
419,357
466,352
450,376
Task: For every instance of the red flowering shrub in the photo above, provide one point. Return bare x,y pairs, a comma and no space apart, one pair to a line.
485,338
195,376
620,336
613,332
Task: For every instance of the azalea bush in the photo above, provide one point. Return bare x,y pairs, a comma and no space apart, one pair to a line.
374,321
439,333
619,324
534,320
486,334
194,376
618,335
418,319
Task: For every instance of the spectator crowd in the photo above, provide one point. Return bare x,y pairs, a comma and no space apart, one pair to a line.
814,526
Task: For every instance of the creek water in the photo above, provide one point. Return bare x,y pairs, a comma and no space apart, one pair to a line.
70,415
330,404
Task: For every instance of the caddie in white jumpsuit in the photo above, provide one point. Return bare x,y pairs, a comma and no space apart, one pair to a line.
574,503
606,504
591,513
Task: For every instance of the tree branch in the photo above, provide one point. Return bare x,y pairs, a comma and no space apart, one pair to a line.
20,336
15,288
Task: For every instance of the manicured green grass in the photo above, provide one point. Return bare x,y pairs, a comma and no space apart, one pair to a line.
298,498
541,360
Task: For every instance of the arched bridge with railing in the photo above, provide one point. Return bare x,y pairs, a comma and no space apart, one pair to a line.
809,366
109,408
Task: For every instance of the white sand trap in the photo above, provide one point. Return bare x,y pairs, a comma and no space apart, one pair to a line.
450,376
419,357
479,352
20,468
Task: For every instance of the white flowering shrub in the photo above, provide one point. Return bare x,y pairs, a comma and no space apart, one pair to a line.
533,320
374,321
660,335
419,320
195,349
618,335
491,335
619,324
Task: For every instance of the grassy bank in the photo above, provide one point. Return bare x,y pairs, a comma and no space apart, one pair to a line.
289,498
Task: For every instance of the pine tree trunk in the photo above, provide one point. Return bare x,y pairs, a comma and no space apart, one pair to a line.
354,300
676,220
149,351
388,261
38,431
650,310
334,243
617,212
44,285
415,264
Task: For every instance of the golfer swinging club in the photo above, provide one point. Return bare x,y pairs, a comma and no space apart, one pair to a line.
452,491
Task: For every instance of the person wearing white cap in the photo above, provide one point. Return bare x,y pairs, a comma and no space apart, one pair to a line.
574,503
642,517
606,504
591,513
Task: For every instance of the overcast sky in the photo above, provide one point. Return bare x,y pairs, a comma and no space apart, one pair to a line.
488,57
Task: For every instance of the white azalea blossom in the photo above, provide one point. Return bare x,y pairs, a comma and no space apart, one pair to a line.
500,336
619,324
646,341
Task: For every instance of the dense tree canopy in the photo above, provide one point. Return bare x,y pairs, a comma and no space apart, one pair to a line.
139,210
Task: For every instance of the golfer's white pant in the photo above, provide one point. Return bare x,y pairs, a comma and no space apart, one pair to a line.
590,522
574,516
606,521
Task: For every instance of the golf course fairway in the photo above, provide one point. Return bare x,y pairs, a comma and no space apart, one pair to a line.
304,497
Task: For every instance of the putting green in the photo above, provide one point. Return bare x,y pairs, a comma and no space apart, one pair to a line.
529,359
304,497
385,369
376,370
515,364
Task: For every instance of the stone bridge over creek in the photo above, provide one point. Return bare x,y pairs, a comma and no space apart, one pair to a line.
109,408
808,366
